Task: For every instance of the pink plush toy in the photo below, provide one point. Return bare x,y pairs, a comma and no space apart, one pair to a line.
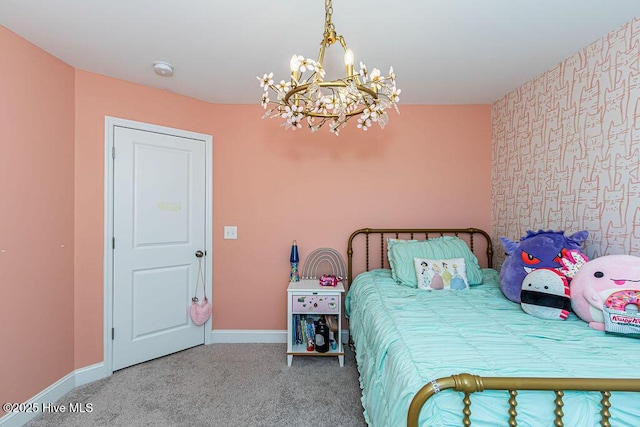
601,278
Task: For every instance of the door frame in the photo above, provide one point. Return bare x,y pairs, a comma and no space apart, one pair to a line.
109,124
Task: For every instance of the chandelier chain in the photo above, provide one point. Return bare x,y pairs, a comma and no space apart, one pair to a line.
328,8
329,29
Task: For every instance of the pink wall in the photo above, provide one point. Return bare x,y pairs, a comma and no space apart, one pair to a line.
36,219
277,186
425,169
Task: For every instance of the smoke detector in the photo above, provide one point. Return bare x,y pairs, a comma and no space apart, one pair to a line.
163,69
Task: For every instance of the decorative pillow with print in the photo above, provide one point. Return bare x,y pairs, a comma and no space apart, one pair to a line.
437,274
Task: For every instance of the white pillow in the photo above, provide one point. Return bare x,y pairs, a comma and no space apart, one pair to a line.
437,274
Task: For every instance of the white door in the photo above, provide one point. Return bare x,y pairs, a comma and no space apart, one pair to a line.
158,225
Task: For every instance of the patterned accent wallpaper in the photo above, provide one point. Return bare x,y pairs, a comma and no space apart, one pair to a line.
566,149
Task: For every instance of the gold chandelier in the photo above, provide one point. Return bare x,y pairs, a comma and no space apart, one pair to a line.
307,95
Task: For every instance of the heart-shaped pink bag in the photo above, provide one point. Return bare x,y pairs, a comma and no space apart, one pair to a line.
200,313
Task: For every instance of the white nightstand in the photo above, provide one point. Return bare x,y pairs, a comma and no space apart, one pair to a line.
307,301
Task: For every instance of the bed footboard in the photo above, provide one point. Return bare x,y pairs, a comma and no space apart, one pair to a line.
469,384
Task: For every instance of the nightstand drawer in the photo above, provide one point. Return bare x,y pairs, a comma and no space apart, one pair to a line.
315,303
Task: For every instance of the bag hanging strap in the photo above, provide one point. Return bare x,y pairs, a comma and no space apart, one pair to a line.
200,279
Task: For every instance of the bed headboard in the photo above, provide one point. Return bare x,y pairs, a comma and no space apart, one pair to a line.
374,243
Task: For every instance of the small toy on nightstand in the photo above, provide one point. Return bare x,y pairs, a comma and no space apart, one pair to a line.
329,280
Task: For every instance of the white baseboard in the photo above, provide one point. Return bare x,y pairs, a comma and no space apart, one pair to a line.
244,336
90,374
238,336
54,393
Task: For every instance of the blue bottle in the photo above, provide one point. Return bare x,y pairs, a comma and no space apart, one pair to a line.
294,276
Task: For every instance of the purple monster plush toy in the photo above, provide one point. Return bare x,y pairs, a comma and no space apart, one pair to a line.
538,249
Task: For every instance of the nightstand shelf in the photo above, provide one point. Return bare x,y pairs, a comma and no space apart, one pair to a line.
307,301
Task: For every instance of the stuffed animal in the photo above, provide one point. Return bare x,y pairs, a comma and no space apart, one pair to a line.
610,280
545,294
538,249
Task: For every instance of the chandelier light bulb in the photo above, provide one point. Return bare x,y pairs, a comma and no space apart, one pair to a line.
362,94
348,57
348,61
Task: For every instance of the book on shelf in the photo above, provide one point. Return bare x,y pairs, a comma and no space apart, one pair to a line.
303,329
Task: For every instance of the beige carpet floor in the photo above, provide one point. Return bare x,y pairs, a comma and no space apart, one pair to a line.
221,385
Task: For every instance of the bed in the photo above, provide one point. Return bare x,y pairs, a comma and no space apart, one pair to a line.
425,356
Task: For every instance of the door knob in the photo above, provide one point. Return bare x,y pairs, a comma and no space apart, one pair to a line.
199,254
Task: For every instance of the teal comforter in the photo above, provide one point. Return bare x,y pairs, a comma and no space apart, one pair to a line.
407,337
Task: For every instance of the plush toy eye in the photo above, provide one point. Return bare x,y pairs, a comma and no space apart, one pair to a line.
558,257
598,274
529,259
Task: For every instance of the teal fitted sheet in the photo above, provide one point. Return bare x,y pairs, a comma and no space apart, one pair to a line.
407,337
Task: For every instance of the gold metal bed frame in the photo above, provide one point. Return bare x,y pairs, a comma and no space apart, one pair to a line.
467,383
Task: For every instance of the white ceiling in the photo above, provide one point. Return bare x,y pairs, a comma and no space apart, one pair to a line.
442,51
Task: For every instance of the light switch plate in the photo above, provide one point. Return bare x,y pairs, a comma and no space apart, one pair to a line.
230,232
